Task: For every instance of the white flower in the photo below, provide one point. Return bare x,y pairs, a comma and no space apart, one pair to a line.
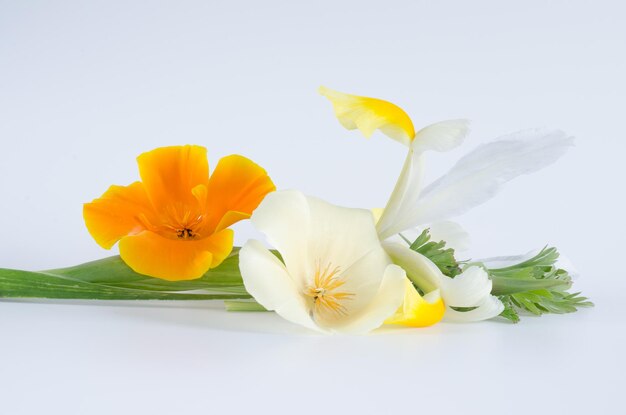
473,180
334,275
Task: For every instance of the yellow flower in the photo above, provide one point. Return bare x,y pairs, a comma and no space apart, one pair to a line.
173,223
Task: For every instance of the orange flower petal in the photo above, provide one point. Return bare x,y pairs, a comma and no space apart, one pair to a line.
170,259
231,217
236,188
170,173
117,213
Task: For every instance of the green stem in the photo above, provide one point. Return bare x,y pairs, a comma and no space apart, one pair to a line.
250,305
27,284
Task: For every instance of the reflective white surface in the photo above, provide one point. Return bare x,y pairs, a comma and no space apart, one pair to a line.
93,359
86,86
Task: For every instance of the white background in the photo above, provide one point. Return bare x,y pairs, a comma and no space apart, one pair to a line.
87,86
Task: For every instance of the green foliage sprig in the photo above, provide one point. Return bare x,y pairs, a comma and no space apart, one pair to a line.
535,285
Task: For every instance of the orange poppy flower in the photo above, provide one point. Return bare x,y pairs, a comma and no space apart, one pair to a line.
173,223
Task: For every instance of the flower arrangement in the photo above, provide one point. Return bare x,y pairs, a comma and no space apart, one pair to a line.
330,268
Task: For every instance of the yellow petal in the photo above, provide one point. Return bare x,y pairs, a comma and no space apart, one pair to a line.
418,311
235,189
117,213
169,174
370,114
151,254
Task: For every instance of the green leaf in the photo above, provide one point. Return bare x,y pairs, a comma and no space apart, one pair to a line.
535,286
437,252
113,271
509,311
243,305
27,284
112,279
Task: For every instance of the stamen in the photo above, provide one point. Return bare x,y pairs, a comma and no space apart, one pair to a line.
185,233
325,298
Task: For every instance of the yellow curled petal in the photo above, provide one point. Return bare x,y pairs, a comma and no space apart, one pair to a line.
370,114
418,311
151,254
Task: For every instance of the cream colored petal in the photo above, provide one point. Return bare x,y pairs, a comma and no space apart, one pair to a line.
407,187
267,280
284,217
489,307
343,236
467,289
387,300
400,212
363,278
422,271
371,114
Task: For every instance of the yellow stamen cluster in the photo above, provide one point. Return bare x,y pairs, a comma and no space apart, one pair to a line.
323,291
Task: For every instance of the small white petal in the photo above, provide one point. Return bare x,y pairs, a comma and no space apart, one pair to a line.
386,301
267,280
466,289
490,307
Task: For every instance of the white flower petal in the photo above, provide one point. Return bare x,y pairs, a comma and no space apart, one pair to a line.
368,271
341,236
480,175
284,218
407,189
399,214
386,301
467,289
490,307
422,271
267,280
441,136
